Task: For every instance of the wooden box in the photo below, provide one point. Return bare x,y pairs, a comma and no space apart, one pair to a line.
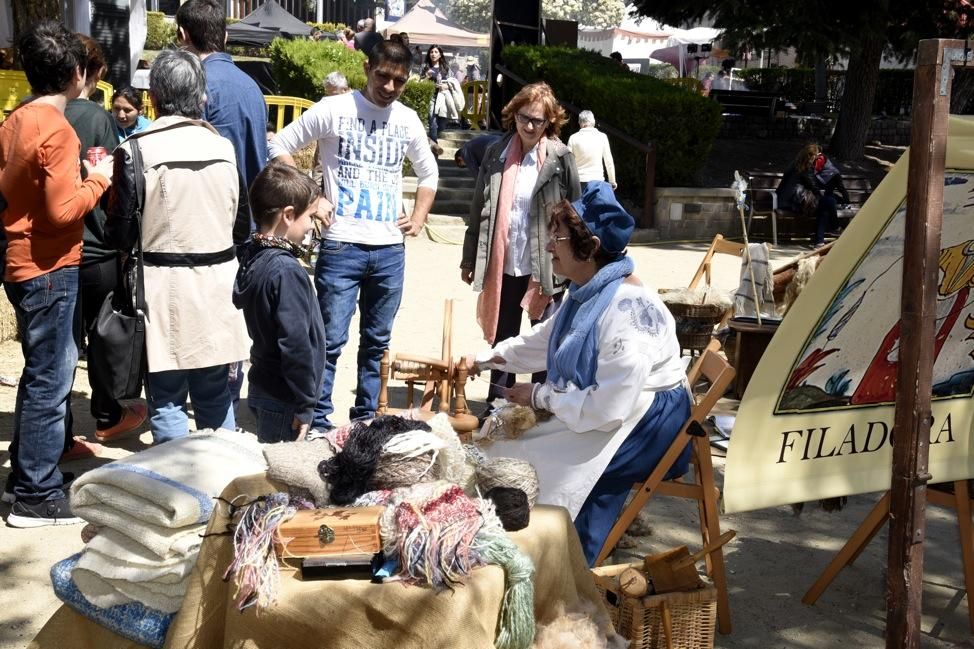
330,531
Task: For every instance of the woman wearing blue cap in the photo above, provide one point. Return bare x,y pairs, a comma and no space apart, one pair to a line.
616,385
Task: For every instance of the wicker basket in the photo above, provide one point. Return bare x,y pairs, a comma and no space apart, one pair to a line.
640,620
712,312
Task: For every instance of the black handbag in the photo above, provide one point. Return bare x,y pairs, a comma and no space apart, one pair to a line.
116,340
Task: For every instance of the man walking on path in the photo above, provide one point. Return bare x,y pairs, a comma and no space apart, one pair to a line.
363,137
46,204
590,147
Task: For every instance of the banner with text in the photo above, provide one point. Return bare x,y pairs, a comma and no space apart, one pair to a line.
816,420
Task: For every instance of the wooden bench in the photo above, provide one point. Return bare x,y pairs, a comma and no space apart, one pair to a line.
763,202
743,102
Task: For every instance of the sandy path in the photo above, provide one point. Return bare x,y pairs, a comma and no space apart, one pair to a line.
775,558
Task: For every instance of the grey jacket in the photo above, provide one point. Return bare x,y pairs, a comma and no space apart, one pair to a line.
557,180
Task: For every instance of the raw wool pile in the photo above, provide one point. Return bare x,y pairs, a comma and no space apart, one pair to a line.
577,629
150,509
509,472
704,295
506,421
806,268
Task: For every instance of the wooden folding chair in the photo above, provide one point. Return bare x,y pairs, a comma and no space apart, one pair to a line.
719,246
701,487
441,378
960,501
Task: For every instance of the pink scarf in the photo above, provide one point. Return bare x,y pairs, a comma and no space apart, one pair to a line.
489,300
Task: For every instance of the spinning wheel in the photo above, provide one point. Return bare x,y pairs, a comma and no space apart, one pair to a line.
442,379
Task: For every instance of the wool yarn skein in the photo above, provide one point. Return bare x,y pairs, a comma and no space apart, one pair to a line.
509,472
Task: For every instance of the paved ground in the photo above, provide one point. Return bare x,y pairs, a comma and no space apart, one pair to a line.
774,559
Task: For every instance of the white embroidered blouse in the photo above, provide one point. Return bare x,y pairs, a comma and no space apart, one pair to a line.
638,356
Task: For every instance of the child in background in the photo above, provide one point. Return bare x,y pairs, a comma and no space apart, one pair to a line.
127,111
279,304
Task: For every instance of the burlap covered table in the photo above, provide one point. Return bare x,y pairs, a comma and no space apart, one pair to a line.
351,614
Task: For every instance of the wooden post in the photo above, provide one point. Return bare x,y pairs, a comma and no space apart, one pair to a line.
921,251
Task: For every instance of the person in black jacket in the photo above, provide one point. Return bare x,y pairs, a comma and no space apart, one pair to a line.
800,191
279,304
99,264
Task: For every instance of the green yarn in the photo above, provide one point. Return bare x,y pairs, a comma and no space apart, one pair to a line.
516,623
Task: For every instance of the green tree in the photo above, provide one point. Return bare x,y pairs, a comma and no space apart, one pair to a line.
28,12
475,15
861,30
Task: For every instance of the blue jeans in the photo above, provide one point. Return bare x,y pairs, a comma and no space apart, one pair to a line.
48,322
206,386
274,417
826,217
372,276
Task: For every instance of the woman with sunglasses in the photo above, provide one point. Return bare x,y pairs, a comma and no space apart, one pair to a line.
505,255
616,385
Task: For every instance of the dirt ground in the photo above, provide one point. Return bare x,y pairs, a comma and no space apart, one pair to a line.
774,559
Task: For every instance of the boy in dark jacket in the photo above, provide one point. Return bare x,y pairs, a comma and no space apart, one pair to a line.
279,304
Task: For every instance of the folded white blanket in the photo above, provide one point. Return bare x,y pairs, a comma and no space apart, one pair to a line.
115,556
105,593
168,486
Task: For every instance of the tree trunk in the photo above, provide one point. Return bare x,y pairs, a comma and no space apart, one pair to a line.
855,115
821,79
28,12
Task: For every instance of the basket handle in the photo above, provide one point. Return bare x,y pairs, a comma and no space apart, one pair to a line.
667,625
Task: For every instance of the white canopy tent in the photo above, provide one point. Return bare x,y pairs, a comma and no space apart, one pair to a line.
675,52
427,25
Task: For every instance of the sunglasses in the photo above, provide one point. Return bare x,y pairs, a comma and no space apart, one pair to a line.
524,120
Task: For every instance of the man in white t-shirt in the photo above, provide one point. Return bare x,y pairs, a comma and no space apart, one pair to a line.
590,147
363,137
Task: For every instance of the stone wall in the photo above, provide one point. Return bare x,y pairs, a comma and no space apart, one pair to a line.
691,213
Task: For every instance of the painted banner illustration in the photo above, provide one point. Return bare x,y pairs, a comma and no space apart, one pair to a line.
817,418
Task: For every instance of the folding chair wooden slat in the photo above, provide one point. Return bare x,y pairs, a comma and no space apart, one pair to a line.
702,488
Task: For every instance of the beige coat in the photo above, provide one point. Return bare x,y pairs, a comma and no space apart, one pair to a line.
191,195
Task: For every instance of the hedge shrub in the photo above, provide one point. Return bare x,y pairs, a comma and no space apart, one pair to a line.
681,125
327,27
160,32
894,89
300,67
